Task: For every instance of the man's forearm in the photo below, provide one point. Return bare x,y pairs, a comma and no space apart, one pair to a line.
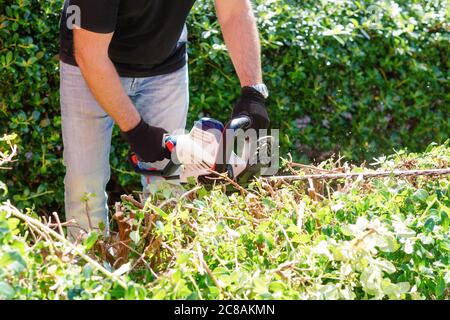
241,37
105,85
91,53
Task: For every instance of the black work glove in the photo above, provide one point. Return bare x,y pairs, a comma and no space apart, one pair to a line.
253,105
147,142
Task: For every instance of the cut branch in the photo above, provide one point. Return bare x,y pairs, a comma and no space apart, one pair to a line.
37,225
366,175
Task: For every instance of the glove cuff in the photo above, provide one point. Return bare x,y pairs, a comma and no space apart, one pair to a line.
130,134
252,104
251,94
147,142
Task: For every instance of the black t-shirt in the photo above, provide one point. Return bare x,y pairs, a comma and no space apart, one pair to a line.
146,33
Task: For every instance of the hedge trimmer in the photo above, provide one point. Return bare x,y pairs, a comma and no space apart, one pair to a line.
209,151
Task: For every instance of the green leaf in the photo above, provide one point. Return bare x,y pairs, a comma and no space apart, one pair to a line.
355,22
90,240
440,287
159,211
339,39
134,235
260,285
4,188
9,57
12,260
421,195
13,223
123,269
277,286
160,226
88,270
6,291
183,258
40,55
429,224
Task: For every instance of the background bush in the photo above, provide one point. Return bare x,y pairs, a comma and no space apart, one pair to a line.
355,77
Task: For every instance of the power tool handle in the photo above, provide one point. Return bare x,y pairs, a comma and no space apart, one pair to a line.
228,137
167,172
243,123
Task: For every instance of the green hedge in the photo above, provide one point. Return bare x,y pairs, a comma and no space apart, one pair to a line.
355,77
373,239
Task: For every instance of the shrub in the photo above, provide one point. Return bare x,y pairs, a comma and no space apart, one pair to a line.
341,78
380,238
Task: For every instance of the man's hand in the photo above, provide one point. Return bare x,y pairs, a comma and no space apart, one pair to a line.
147,142
253,105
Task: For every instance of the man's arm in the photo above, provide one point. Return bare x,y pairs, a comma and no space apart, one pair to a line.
91,54
241,37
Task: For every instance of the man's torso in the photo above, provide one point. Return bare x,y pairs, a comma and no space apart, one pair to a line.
146,33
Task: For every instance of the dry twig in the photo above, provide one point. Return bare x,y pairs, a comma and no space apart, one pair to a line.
366,175
37,225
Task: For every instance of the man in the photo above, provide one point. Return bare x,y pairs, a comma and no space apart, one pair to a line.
125,63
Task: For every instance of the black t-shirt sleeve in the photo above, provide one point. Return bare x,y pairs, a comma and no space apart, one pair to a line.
98,15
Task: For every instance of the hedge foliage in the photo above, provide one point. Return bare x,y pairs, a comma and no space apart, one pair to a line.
382,238
358,77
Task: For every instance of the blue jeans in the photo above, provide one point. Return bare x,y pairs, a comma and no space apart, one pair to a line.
86,128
